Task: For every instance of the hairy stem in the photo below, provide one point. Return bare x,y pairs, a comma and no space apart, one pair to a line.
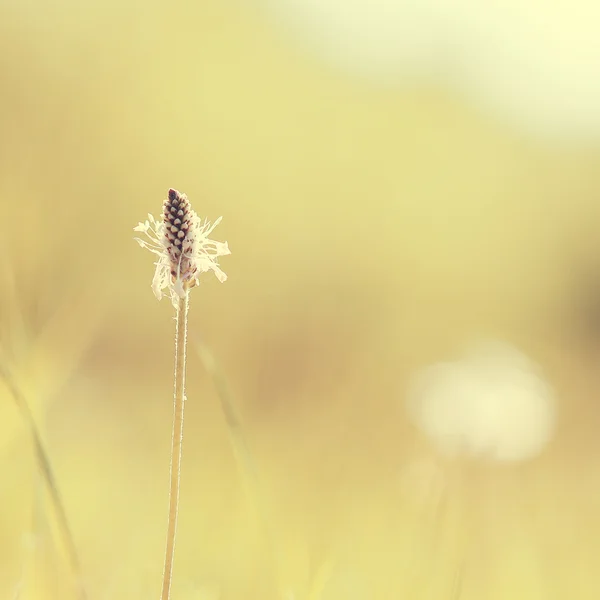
176,441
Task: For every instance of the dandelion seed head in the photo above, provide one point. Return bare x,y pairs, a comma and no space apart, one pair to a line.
180,240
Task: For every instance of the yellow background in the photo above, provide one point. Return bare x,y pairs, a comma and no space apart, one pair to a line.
372,230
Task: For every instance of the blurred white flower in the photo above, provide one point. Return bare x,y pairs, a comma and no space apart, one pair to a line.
534,63
180,240
374,38
492,403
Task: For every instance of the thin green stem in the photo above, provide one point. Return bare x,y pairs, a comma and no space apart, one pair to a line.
176,441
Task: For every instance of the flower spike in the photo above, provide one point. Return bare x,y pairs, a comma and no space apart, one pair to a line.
180,240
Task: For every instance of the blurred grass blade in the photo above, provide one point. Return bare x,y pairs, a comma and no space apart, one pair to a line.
320,580
243,456
74,324
249,471
457,586
29,543
47,473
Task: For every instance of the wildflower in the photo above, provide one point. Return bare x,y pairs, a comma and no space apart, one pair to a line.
493,403
180,240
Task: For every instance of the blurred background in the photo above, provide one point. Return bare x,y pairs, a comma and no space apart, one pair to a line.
397,180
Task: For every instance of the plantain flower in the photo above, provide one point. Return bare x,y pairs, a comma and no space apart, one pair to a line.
180,240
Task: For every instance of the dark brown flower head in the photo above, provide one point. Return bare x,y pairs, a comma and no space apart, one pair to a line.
180,222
